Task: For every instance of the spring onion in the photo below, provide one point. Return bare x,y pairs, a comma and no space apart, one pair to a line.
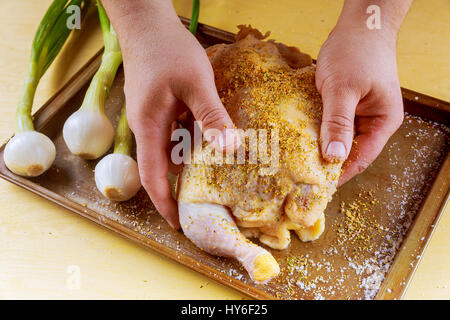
194,17
117,174
88,132
30,153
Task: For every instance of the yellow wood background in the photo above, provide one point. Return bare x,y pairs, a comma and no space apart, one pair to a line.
39,241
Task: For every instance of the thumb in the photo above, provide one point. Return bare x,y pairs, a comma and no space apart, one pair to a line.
207,108
338,118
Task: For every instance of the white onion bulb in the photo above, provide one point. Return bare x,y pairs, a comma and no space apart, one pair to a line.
117,177
29,153
88,134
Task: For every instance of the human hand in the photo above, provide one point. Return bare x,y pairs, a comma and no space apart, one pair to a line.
167,72
357,78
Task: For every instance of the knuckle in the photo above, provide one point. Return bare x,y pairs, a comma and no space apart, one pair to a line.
187,86
211,117
392,122
362,165
398,120
156,193
399,117
338,86
146,181
196,73
143,126
342,123
131,121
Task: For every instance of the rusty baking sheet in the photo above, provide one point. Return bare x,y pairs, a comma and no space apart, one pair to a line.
377,225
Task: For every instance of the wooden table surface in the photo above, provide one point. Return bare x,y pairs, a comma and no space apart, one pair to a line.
46,251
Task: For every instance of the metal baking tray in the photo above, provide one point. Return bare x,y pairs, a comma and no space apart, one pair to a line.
377,225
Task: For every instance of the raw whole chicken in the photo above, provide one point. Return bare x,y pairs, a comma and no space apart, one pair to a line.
263,85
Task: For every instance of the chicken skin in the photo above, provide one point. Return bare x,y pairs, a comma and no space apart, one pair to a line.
269,88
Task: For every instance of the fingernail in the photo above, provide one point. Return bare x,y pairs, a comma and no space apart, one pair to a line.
336,151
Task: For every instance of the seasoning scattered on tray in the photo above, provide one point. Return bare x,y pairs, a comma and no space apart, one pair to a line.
337,266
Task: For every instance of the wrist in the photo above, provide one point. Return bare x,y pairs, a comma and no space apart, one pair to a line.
359,17
353,32
133,17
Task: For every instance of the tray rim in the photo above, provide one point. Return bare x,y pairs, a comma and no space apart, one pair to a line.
393,286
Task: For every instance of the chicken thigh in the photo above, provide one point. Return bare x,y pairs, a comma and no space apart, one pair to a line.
270,88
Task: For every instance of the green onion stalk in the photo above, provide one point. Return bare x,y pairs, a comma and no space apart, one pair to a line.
117,174
194,17
30,153
88,132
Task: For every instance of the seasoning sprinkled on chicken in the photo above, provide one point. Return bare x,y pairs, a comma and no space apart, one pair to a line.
263,85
